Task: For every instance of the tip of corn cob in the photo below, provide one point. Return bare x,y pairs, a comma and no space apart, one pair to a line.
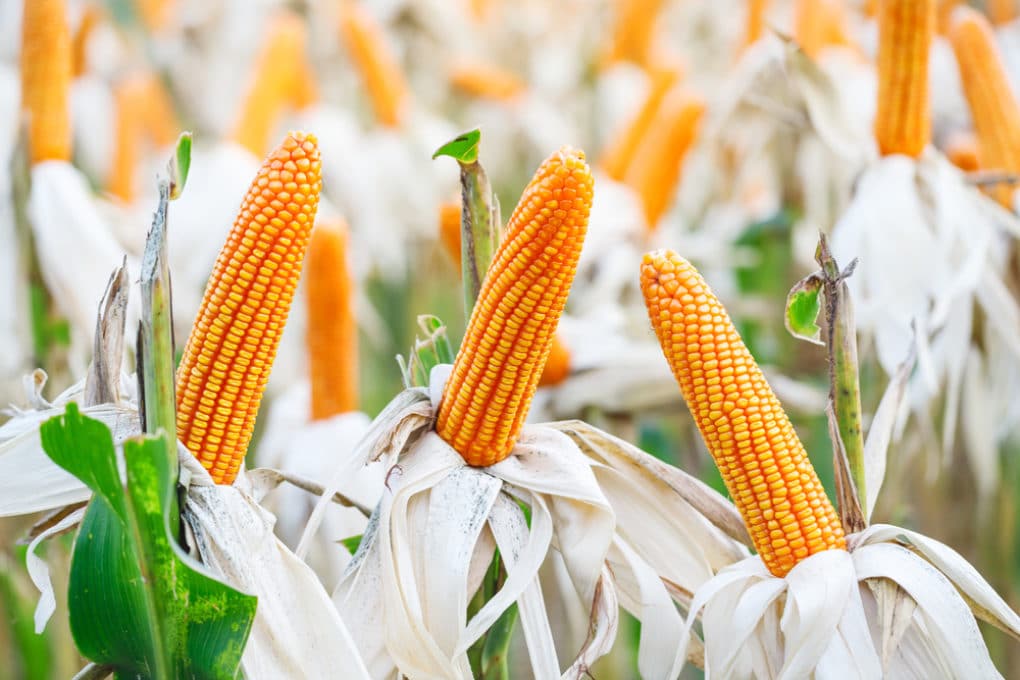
759,455
511,331
230,351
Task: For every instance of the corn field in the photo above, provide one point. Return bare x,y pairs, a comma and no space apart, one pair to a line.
450,339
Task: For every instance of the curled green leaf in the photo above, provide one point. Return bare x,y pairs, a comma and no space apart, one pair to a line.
179,165
803,305
463,148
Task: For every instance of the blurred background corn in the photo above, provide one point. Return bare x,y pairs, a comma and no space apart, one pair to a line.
634,30
619,153
281,79
332,334
992,101
655,169
903,117
230,351
963,151
745,428
486,81
510,334
376,63
46,78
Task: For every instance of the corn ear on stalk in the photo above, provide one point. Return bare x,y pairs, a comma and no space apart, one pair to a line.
1002,11
233,343
557,366
510,334
379,69
992,101
46,79
903,117
755,20
332,326
79,45
818,24
762,461
634,30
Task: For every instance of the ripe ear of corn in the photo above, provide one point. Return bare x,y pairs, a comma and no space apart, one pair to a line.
510,334
619,153
281,78
231,349
144,114
557,367
762,461
655,169
992,101
380,71
332,326
46,79
903,117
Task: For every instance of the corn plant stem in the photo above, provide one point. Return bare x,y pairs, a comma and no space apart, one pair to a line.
94,672
155,341
844,380
479,229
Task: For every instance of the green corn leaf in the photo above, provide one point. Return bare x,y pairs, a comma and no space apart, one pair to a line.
803,305
137,601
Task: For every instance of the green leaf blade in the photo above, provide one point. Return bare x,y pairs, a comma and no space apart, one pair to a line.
803,306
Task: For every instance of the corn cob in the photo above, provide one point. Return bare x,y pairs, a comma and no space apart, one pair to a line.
511,330
763,463
332,326
903,117
281,78
992,101
962,151
486,81
46,79
557,368
379,68
233,343
655,169
1002,11
634,31
79,44
618,155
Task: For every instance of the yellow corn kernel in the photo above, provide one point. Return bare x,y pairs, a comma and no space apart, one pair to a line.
819,24
655,170
510,334
281,79
634,30
755,20
46,79
992,101
903,117
486,81
1002,11
619,153
380,71
233,343
962,150
89,20
332,325
762,461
